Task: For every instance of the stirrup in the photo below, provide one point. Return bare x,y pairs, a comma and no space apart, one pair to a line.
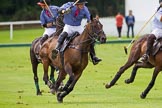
145,58
54,53
96,60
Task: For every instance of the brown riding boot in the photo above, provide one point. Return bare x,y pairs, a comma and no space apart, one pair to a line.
150,42
43,39
95,60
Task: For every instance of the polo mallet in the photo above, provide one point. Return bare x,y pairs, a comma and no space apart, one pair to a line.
73,4
51,11
48,8
126,48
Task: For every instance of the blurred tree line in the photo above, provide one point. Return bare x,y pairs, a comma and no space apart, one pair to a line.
16,10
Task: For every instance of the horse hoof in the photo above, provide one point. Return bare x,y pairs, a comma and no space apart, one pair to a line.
107,86
59,98
39,93
127,81
142,96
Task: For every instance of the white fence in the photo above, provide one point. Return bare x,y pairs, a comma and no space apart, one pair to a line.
17,23
109,26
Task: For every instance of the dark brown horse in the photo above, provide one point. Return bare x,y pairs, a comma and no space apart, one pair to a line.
35,59
75,57
137,50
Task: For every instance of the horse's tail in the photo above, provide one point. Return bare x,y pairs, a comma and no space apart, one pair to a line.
33,44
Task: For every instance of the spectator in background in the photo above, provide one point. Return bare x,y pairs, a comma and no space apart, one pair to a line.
130,20
119,23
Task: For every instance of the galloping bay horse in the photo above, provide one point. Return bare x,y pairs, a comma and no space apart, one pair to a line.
34,55
75,56
137,50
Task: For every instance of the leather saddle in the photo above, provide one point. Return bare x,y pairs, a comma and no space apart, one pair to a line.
67,40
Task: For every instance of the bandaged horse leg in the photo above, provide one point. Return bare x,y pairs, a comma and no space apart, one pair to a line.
69,87
35,63
51,83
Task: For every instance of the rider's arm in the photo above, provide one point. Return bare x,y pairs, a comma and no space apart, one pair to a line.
65,8
87,13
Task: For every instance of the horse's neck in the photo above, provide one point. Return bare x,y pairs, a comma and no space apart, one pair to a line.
84,35
83,40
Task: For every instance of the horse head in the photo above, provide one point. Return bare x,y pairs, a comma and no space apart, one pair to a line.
97,30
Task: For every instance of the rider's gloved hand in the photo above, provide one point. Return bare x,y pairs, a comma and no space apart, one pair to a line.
66,11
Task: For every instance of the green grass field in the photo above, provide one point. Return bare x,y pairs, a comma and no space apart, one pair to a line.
27,35
20,36
17,88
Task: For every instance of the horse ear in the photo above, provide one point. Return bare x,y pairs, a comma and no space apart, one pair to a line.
91,18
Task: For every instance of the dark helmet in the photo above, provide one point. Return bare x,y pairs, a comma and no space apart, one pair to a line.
41,2
81,1
160,1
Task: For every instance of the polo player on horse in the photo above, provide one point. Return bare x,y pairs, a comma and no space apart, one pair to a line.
73,15
155,34
48,18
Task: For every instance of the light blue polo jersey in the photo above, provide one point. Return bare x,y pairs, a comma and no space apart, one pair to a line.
70,18
44,18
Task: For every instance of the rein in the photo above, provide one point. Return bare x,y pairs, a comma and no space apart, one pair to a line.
92,37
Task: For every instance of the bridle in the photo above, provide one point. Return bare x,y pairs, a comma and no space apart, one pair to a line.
92,36
95,33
